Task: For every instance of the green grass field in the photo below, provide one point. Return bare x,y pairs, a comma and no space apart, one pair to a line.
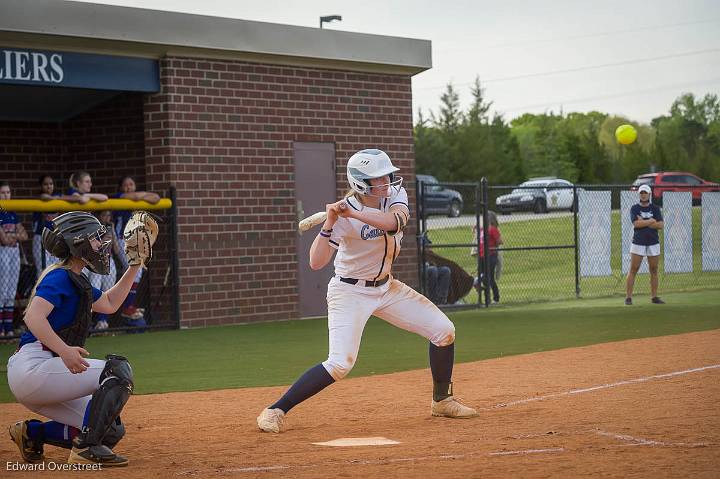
276,353
545,275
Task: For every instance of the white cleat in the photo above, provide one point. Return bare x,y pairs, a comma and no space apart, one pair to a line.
452,407
271,420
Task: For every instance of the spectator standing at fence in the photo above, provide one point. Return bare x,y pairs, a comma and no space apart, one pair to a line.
494,240
80,186
647,220
40,221
104,282
128,190
12,233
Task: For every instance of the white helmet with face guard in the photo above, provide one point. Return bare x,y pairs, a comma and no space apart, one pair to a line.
370,164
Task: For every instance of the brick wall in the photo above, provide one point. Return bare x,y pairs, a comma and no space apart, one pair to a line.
107,141
28,150
223,133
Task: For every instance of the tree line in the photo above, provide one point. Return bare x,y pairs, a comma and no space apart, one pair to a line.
456,145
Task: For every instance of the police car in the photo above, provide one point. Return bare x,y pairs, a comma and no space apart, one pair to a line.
538,195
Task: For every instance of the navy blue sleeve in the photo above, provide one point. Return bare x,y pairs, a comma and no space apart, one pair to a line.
96,294
657,213
634,212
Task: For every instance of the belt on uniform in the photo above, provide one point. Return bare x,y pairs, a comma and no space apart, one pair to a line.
44,348
367,284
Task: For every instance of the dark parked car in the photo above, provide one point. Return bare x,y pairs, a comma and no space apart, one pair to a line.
438,200
675,181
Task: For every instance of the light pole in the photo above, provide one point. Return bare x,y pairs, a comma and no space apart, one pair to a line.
329,18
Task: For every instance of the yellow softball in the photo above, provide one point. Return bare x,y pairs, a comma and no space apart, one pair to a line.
626,134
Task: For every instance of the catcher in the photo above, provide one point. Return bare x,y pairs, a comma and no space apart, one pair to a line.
48,373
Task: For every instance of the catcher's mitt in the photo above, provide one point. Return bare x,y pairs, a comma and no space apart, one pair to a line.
140,234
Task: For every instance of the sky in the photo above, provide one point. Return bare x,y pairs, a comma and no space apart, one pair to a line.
628,58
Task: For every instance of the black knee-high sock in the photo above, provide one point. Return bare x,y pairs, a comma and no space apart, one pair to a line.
312,382
441,366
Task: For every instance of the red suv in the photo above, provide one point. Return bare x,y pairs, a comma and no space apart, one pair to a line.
675,181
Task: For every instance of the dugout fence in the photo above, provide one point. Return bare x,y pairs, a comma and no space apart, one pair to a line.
156,304
561,242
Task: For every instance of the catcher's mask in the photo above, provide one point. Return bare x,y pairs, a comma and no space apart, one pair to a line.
366,165
80,234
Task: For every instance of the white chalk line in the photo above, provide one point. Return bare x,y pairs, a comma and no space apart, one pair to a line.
638,441
526,451
603,386
259,469
370,462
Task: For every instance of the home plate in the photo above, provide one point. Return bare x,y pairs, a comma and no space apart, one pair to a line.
357,441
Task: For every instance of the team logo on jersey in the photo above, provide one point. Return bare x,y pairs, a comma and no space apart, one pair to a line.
366,233
646,215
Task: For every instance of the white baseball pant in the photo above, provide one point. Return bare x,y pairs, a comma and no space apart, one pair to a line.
350,306
43,384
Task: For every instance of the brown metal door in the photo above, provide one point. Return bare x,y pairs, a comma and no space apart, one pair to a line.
314,188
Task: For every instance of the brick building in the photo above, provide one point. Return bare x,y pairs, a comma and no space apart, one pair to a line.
251,122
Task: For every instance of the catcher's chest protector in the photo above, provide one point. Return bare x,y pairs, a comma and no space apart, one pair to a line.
76,333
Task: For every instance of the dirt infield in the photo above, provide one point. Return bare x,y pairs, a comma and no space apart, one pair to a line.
639,408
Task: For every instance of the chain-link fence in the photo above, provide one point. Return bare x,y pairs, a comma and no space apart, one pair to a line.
557,241
153,302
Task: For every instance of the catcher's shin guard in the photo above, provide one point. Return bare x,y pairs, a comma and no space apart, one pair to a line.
116,385
114,433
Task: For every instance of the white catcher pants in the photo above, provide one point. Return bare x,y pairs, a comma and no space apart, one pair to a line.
43,384
350,306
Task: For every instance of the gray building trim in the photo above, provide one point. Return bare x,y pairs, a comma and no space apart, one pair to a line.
152,33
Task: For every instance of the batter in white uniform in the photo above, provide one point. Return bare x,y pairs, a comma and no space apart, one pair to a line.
366,229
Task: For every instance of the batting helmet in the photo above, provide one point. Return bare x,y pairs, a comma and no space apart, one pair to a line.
369,164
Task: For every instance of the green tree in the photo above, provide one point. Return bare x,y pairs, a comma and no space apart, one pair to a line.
464,147
589,155
478,112
689,137
450,115
545,146
430,149
581,147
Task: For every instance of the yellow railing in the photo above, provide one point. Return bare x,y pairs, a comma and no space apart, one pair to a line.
52,206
